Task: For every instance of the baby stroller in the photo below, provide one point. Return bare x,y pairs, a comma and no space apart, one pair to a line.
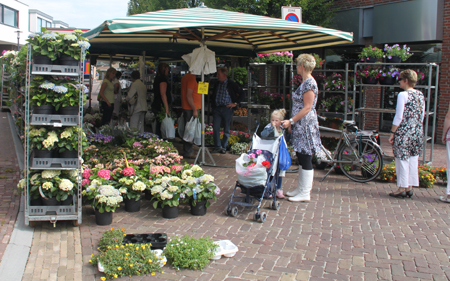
267,187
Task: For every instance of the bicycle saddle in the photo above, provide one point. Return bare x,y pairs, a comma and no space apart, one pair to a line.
349,122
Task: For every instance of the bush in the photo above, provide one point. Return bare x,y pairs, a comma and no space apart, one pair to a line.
239,148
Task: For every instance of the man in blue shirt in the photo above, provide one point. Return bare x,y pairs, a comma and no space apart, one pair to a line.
226,95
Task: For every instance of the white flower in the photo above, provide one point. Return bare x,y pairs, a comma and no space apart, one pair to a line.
206,178
173,188
33,178
60,89
96,183
196,168
157,189
66,134
66,185
139,186
21,183
70,37
186,174
49,174
47,85
47,185
123,190
73,173
84,45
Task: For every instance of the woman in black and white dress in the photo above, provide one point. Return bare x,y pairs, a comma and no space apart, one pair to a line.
407,134
305,128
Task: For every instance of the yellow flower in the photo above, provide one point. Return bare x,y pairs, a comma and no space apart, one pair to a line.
115,276
121,246
137,248
149,261
153,273
127,254
92,255
119,268
103,278
131,265
124,234
112,228
90,261
123,229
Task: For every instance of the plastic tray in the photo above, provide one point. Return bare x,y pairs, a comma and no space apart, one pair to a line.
67,70
158,240
55,163
226,248
54,120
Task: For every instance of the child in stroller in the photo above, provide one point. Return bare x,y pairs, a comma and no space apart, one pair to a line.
273,130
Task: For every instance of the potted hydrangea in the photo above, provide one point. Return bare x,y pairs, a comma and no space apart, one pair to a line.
69,47
43,142
43,47
104,199
166,191
370,54
68,142
396,54
42,95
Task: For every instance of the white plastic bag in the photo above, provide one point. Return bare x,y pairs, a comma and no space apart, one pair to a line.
198,133
251,176
189,130
167,128
180,123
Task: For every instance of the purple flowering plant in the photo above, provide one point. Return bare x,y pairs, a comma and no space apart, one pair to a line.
396,50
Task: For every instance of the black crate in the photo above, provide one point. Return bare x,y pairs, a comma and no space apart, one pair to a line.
158,240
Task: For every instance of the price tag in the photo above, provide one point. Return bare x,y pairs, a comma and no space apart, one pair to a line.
203,88
57,125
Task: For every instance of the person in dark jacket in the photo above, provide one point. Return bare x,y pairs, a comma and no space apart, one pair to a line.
226,95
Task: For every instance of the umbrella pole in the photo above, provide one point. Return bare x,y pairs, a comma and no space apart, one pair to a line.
203,148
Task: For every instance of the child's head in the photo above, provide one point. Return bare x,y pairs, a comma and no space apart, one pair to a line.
277,116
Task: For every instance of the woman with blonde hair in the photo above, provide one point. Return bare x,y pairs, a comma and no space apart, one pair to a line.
106,96
305,128
407,134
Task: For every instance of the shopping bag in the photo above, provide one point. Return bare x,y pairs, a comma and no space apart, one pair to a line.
189,130
167,128
284,160
180,123
198,133
251,174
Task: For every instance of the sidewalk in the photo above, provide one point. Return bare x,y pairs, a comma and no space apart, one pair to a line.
349,231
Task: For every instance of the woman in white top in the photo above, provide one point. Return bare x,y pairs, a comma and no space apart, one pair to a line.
407,134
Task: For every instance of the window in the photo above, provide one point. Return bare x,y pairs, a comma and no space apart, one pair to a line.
43,23
9,16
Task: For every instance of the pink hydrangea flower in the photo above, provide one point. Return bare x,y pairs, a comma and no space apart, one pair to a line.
217,191
137,145
252,165
176,168
129,171
105,174
87,173
85,182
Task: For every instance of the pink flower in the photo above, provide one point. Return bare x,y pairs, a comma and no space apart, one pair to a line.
137,145
129,171
176,168
217,191
87,173
85,182
105,174
252,165
251,156
258,151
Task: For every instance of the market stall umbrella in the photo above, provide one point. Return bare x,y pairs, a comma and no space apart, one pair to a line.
173,33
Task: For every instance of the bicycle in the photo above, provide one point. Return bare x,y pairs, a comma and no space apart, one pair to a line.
357,153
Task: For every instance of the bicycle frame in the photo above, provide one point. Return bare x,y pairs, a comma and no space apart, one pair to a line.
344,139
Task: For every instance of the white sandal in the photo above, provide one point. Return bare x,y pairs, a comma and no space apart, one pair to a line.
444,199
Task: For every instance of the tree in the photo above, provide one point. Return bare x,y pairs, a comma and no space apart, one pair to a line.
317,12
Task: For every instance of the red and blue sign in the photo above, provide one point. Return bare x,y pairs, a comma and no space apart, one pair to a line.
292,17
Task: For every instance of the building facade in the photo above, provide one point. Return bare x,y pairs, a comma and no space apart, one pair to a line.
421,24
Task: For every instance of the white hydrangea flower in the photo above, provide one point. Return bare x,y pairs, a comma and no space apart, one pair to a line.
66,185
196,168
206,178
49,174
139,186
186,174
70,37
173,188
157,189
21,183
66,134
96,183
47,185
33,178
123,190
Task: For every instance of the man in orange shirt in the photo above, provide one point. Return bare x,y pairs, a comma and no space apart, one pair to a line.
191,102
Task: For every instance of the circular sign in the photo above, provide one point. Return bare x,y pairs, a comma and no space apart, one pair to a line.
292,17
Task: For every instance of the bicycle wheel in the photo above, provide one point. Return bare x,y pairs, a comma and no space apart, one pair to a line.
366,164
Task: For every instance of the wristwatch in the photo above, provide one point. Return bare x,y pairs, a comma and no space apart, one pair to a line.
292,121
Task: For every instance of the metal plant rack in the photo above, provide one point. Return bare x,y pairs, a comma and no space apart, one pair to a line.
53,213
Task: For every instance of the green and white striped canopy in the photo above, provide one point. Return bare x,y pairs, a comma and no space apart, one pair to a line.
172,33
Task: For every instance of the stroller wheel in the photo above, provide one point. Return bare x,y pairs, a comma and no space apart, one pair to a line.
262,217
234,211
275,205
228,211
256,216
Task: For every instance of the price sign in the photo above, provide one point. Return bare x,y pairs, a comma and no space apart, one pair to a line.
203,88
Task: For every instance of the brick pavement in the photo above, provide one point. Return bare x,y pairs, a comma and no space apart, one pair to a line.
349,231
9,176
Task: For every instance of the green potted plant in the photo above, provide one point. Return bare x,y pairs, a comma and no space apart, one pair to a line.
240,75
277,57
55,186
131,185
369,74
388,76
43,49
166,192
69,47
395,53
67,97
336,82
43,142
104,199
200,188
68,142
189,252
42,95
370,54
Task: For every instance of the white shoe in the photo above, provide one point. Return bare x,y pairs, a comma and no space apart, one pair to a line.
299,184
444,199
307,181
